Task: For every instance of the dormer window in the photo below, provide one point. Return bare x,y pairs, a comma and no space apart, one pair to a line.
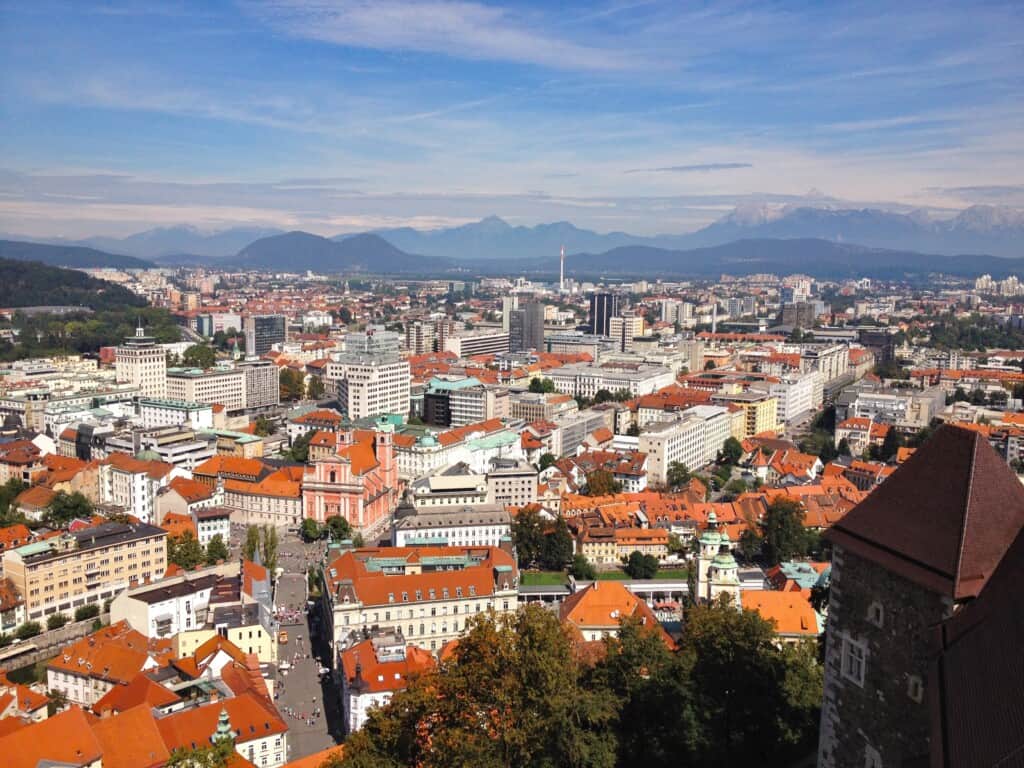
391,597
472,590
419,594
405,597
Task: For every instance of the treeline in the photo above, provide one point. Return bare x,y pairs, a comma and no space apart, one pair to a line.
974,333
80,333
523,691
29,283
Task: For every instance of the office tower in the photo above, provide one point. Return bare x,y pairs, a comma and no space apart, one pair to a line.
603,307
142,362
526,328
262,332
508,304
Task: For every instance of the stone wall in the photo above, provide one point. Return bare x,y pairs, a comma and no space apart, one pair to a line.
885,722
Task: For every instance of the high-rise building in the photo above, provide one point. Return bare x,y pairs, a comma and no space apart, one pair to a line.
262,332
262,383
526,328
217,386
142,362
603,307
508,304
419,337
624,328
370,384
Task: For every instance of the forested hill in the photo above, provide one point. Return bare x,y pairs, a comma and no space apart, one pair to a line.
28,284
75,256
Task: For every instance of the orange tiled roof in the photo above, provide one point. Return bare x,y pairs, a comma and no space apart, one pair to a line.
14,536
126,463
379,676
116,653
36,497
790,612
603,604
191,490
176,525
64,739
140,690
131,739
317,759
251,718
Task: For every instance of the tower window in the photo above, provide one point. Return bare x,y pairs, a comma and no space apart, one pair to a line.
876,614
853,659
915,688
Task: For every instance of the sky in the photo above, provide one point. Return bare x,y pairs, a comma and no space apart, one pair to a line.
647,117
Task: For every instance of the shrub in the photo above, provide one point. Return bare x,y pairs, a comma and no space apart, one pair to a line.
87,612
27,630
56,621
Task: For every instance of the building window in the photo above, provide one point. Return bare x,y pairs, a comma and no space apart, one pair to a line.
876,614
915,688
853,659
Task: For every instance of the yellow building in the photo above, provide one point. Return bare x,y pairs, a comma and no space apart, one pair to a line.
760,410
59,574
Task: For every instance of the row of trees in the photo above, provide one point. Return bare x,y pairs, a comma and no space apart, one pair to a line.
263,540
186,551
294,386
540,542
335,528
519,692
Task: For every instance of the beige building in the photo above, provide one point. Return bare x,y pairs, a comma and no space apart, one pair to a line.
511,483
624,329
88,566
142,362
221,386
425,594
759,408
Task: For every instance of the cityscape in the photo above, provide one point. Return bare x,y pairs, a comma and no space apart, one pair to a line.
361,406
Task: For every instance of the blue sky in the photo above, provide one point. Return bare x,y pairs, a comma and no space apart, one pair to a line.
647,117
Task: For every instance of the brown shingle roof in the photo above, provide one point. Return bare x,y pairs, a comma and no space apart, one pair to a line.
943,519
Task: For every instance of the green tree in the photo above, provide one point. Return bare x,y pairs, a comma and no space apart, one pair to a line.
315,389
251,544
514,694
676,546
542,386
85,612
338,528
56,621
633,431
601,482
709,365
217,550
603,396
582,569
641,566
216,755
185,551
8,493
546,460
57,700
199,356
269,544
677,475
736,486
344,315
756,704
749,544
310,530
732,452
264,427
556,549
293,384
300,447
27,630
843,449
528,536
66,507
783,531
890,444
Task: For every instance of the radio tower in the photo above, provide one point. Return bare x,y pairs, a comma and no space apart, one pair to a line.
561,272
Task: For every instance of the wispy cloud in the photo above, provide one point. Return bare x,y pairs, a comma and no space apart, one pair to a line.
455,28
697,168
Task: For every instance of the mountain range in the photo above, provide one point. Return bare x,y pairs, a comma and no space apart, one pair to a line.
301,251
74,256
979,229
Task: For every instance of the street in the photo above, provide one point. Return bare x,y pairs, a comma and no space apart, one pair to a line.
308,705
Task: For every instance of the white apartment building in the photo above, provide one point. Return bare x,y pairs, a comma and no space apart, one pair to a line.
370,385
587,380
132,484
474,446
155,412
471,405
485,342
142,362
166,607
693,440
797,396
217,386
511,483
466,526
212,521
